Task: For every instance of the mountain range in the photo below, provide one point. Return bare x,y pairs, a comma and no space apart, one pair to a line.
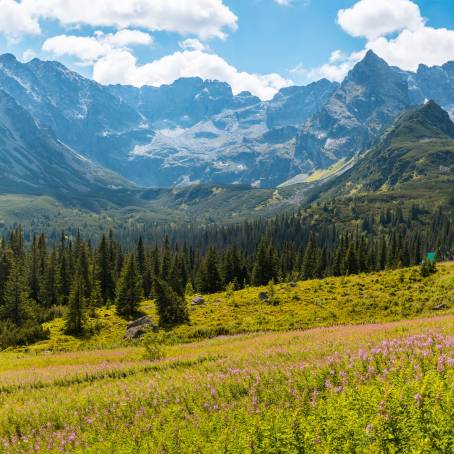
82,143
196,131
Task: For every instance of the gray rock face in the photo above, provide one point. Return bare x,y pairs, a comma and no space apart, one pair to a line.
368,100
138,327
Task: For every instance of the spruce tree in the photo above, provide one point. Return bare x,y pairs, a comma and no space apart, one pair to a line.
50,285
171,306
265,266
209,279
310,259
16,303
129,289
77,305
104,268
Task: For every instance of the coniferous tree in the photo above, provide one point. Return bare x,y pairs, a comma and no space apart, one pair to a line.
77,305
104,267
50,286
65,276
16,299
310,259
171,306
351,261
209,279
265,266
129,289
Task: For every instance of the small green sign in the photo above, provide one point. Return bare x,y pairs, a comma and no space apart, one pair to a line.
432,257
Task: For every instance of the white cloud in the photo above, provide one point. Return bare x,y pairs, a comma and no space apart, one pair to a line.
395,30
338,67
374,18
89,49
283,2
204,18
15,20
193,44
28,55
120,66
127,37
431,46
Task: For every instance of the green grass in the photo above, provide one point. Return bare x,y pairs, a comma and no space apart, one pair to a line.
366,298
368,388
360,388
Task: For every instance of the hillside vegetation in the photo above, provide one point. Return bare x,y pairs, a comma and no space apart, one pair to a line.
371,388
365,298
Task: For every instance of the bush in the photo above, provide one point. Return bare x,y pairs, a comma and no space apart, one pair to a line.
12,335
153,343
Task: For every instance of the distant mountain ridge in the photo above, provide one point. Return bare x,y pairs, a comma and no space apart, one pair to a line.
415,156
195,131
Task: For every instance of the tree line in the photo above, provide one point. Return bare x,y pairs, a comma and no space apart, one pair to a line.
41,279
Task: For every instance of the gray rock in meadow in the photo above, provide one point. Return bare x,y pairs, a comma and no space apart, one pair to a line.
138,327
263,296
198,300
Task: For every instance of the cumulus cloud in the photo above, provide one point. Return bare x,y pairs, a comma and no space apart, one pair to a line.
89,49
372,18
431,46
395,30
335,70
121,66
16,20
204,18
193,44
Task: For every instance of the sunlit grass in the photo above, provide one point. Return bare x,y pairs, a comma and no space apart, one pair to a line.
322,390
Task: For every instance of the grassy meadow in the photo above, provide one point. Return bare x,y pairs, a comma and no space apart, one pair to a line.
376,297
249,377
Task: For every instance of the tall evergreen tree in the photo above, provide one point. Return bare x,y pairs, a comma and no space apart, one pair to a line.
16,299
209,279
77,305
171,306
129,289
265,266
310,259
104,268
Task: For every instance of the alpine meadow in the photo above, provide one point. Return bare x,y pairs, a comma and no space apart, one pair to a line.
226,226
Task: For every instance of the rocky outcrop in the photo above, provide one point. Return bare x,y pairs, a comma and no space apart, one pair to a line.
138,327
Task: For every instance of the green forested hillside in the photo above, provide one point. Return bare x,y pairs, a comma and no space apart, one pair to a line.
413,161
366,298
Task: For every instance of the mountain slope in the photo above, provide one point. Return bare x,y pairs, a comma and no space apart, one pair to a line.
82,114
368,100
415,156
34,161
206,134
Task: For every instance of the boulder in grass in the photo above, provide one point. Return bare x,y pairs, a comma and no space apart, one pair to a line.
263,296
440,307
198,300
138,327
292,284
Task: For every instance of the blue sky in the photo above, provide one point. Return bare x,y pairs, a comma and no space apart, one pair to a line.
255,45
